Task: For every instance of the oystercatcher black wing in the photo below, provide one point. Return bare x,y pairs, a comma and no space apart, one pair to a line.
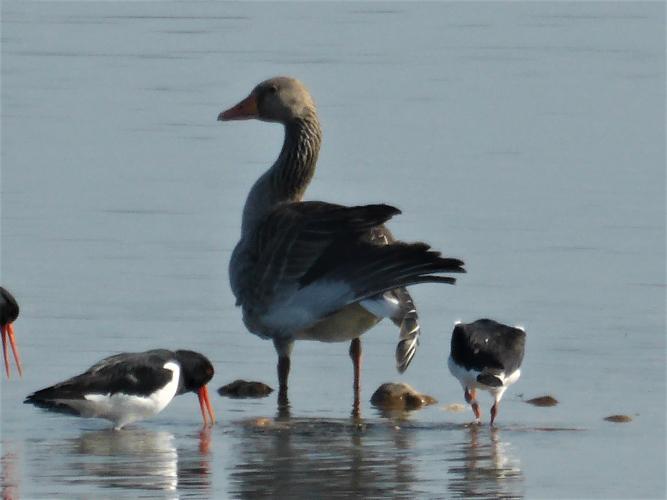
122,388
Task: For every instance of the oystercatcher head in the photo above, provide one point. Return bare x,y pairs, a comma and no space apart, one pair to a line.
486,355
196,372
9,311
128,387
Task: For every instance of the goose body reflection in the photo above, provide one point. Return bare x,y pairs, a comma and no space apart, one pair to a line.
323,458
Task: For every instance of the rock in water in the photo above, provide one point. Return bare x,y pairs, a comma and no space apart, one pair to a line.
391,396
619,419
244,389
454,408
543,401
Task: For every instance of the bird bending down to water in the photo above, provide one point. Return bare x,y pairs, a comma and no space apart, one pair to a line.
9,311
486,355
128,387
314,270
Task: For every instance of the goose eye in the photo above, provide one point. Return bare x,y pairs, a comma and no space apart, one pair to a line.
273,89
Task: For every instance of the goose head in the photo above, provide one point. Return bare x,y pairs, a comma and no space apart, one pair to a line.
281,99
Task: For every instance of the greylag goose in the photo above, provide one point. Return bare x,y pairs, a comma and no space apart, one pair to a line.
9,311
486,355
313,270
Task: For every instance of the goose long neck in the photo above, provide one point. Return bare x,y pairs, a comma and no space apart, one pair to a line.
295,166
286,181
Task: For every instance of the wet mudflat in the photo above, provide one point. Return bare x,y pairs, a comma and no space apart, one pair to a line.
525,138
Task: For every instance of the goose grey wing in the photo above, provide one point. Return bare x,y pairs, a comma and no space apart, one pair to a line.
315,258
290,245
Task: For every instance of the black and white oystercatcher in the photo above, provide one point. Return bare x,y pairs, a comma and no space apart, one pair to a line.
486,355
128,387
9,311
314,270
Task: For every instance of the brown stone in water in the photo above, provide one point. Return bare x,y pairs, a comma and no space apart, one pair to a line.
262,422
543,401
454,407
244,389
619,419
391,396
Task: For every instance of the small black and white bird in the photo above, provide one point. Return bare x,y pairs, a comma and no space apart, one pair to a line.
9,311
486,355
128,387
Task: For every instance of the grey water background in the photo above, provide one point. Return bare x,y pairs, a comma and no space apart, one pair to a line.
527,138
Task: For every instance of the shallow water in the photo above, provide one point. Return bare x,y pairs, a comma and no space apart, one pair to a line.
525,138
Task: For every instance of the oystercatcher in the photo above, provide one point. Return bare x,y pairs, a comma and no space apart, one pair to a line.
487,355
9,311
128,387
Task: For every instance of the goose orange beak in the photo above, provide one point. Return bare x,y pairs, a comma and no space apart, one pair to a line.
8,334
244,110
205,405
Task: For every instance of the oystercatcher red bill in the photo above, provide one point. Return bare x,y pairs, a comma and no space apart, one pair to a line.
205,406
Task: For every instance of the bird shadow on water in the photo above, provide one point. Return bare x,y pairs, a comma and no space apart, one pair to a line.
131,460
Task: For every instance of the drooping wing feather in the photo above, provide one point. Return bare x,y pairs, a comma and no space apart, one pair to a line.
404,313
407,319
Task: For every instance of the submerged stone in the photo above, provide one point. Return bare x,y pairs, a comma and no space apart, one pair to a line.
262,422
454,407
244,389
392,396
543,401
619,419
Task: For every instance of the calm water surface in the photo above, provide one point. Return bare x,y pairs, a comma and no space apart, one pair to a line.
526,138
